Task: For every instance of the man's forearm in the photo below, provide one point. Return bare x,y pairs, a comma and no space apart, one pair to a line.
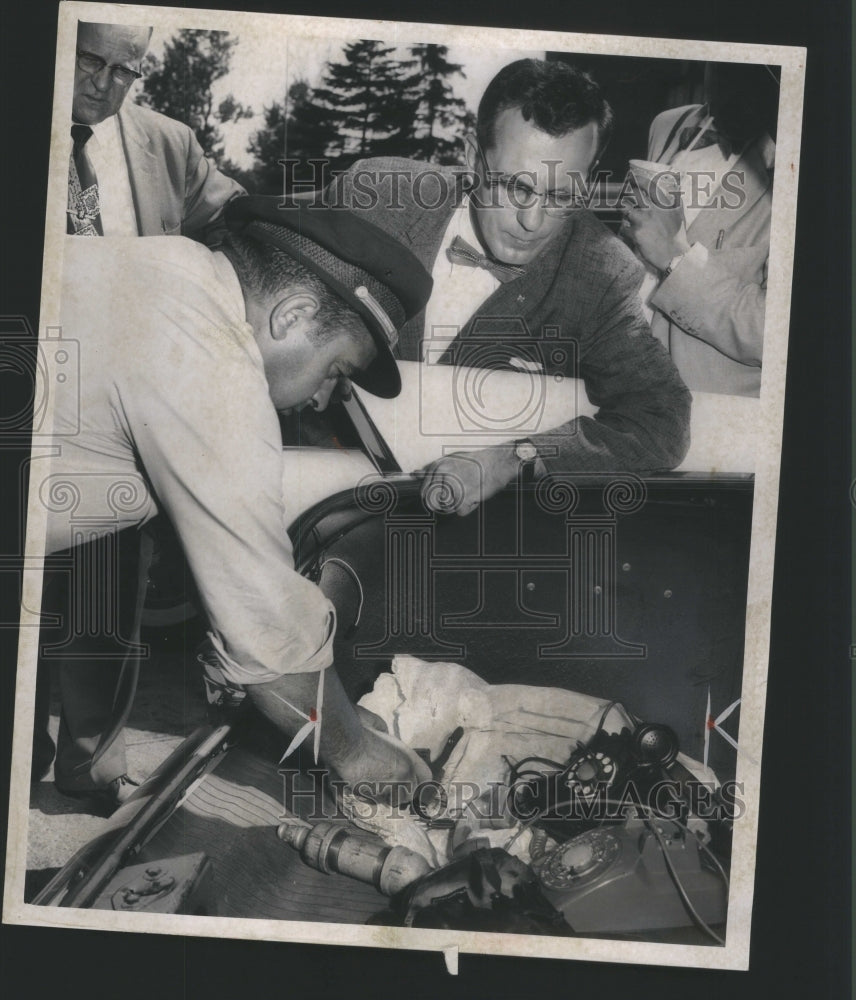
382,766
341,730
711,298
643,432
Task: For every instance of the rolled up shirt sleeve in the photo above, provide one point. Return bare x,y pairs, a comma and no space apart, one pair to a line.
199,416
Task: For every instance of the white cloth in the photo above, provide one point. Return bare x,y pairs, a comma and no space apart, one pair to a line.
423,703
107,155
458,289
170,410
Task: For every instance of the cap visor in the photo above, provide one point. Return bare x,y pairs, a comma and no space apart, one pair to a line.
382,377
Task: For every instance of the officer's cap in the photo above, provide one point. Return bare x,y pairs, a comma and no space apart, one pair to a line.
370,270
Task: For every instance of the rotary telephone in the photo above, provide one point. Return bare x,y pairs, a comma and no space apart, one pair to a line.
626,860
600,782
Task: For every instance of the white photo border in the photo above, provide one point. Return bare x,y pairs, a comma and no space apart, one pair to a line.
735,954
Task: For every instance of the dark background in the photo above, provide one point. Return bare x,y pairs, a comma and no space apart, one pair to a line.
801,919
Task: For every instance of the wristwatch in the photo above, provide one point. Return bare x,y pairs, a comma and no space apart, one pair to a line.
673,263
526,452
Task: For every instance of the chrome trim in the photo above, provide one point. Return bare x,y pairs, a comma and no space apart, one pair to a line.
379,313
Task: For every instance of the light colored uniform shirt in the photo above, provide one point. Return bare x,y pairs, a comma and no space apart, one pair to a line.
458,289
171,412
107,154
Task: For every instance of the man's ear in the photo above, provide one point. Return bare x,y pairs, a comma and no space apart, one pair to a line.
471,151
295,313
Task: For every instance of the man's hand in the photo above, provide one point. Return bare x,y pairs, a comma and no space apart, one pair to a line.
656,228
459,483
352,743
371,720
383,769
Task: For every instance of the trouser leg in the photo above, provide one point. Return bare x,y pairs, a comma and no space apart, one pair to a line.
98,663
43,746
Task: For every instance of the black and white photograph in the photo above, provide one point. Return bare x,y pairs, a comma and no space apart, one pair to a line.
403,482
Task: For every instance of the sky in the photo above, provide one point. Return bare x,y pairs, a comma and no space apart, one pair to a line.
263,68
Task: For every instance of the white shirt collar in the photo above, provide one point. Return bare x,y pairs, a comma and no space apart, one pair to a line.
106,132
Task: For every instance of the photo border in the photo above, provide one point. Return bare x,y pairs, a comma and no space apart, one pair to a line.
767,471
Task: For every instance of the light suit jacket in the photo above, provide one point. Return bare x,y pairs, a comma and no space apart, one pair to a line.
576,310
176,189
710,313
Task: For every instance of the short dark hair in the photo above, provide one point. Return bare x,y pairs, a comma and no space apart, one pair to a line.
266,270
743,98
556,97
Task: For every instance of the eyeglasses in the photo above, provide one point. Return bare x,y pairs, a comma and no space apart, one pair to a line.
92,64
519,195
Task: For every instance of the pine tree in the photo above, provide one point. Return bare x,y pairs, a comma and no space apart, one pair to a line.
305,135
267,146
369,97
179,85
368,104
439,111
312,131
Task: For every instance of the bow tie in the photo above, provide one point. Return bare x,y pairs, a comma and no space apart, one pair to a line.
460,252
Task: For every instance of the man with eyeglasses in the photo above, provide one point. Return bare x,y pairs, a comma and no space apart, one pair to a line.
132,171
519,264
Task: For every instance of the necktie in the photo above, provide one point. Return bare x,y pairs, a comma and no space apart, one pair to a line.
84,206
708,138
460,252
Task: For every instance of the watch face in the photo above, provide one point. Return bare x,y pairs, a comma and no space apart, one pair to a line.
526,451
673,263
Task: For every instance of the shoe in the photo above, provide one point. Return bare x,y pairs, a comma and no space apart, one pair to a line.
44,751
107,799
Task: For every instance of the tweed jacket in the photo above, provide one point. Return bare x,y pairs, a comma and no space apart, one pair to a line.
576,311
709,312
175,188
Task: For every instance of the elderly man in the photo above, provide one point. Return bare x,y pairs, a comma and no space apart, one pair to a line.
132,171
186,356
517,263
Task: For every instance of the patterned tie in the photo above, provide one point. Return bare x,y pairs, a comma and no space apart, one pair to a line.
84,207
460,252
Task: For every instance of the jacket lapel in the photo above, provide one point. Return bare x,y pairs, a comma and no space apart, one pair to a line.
519,296
142,173
755,181
754,164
